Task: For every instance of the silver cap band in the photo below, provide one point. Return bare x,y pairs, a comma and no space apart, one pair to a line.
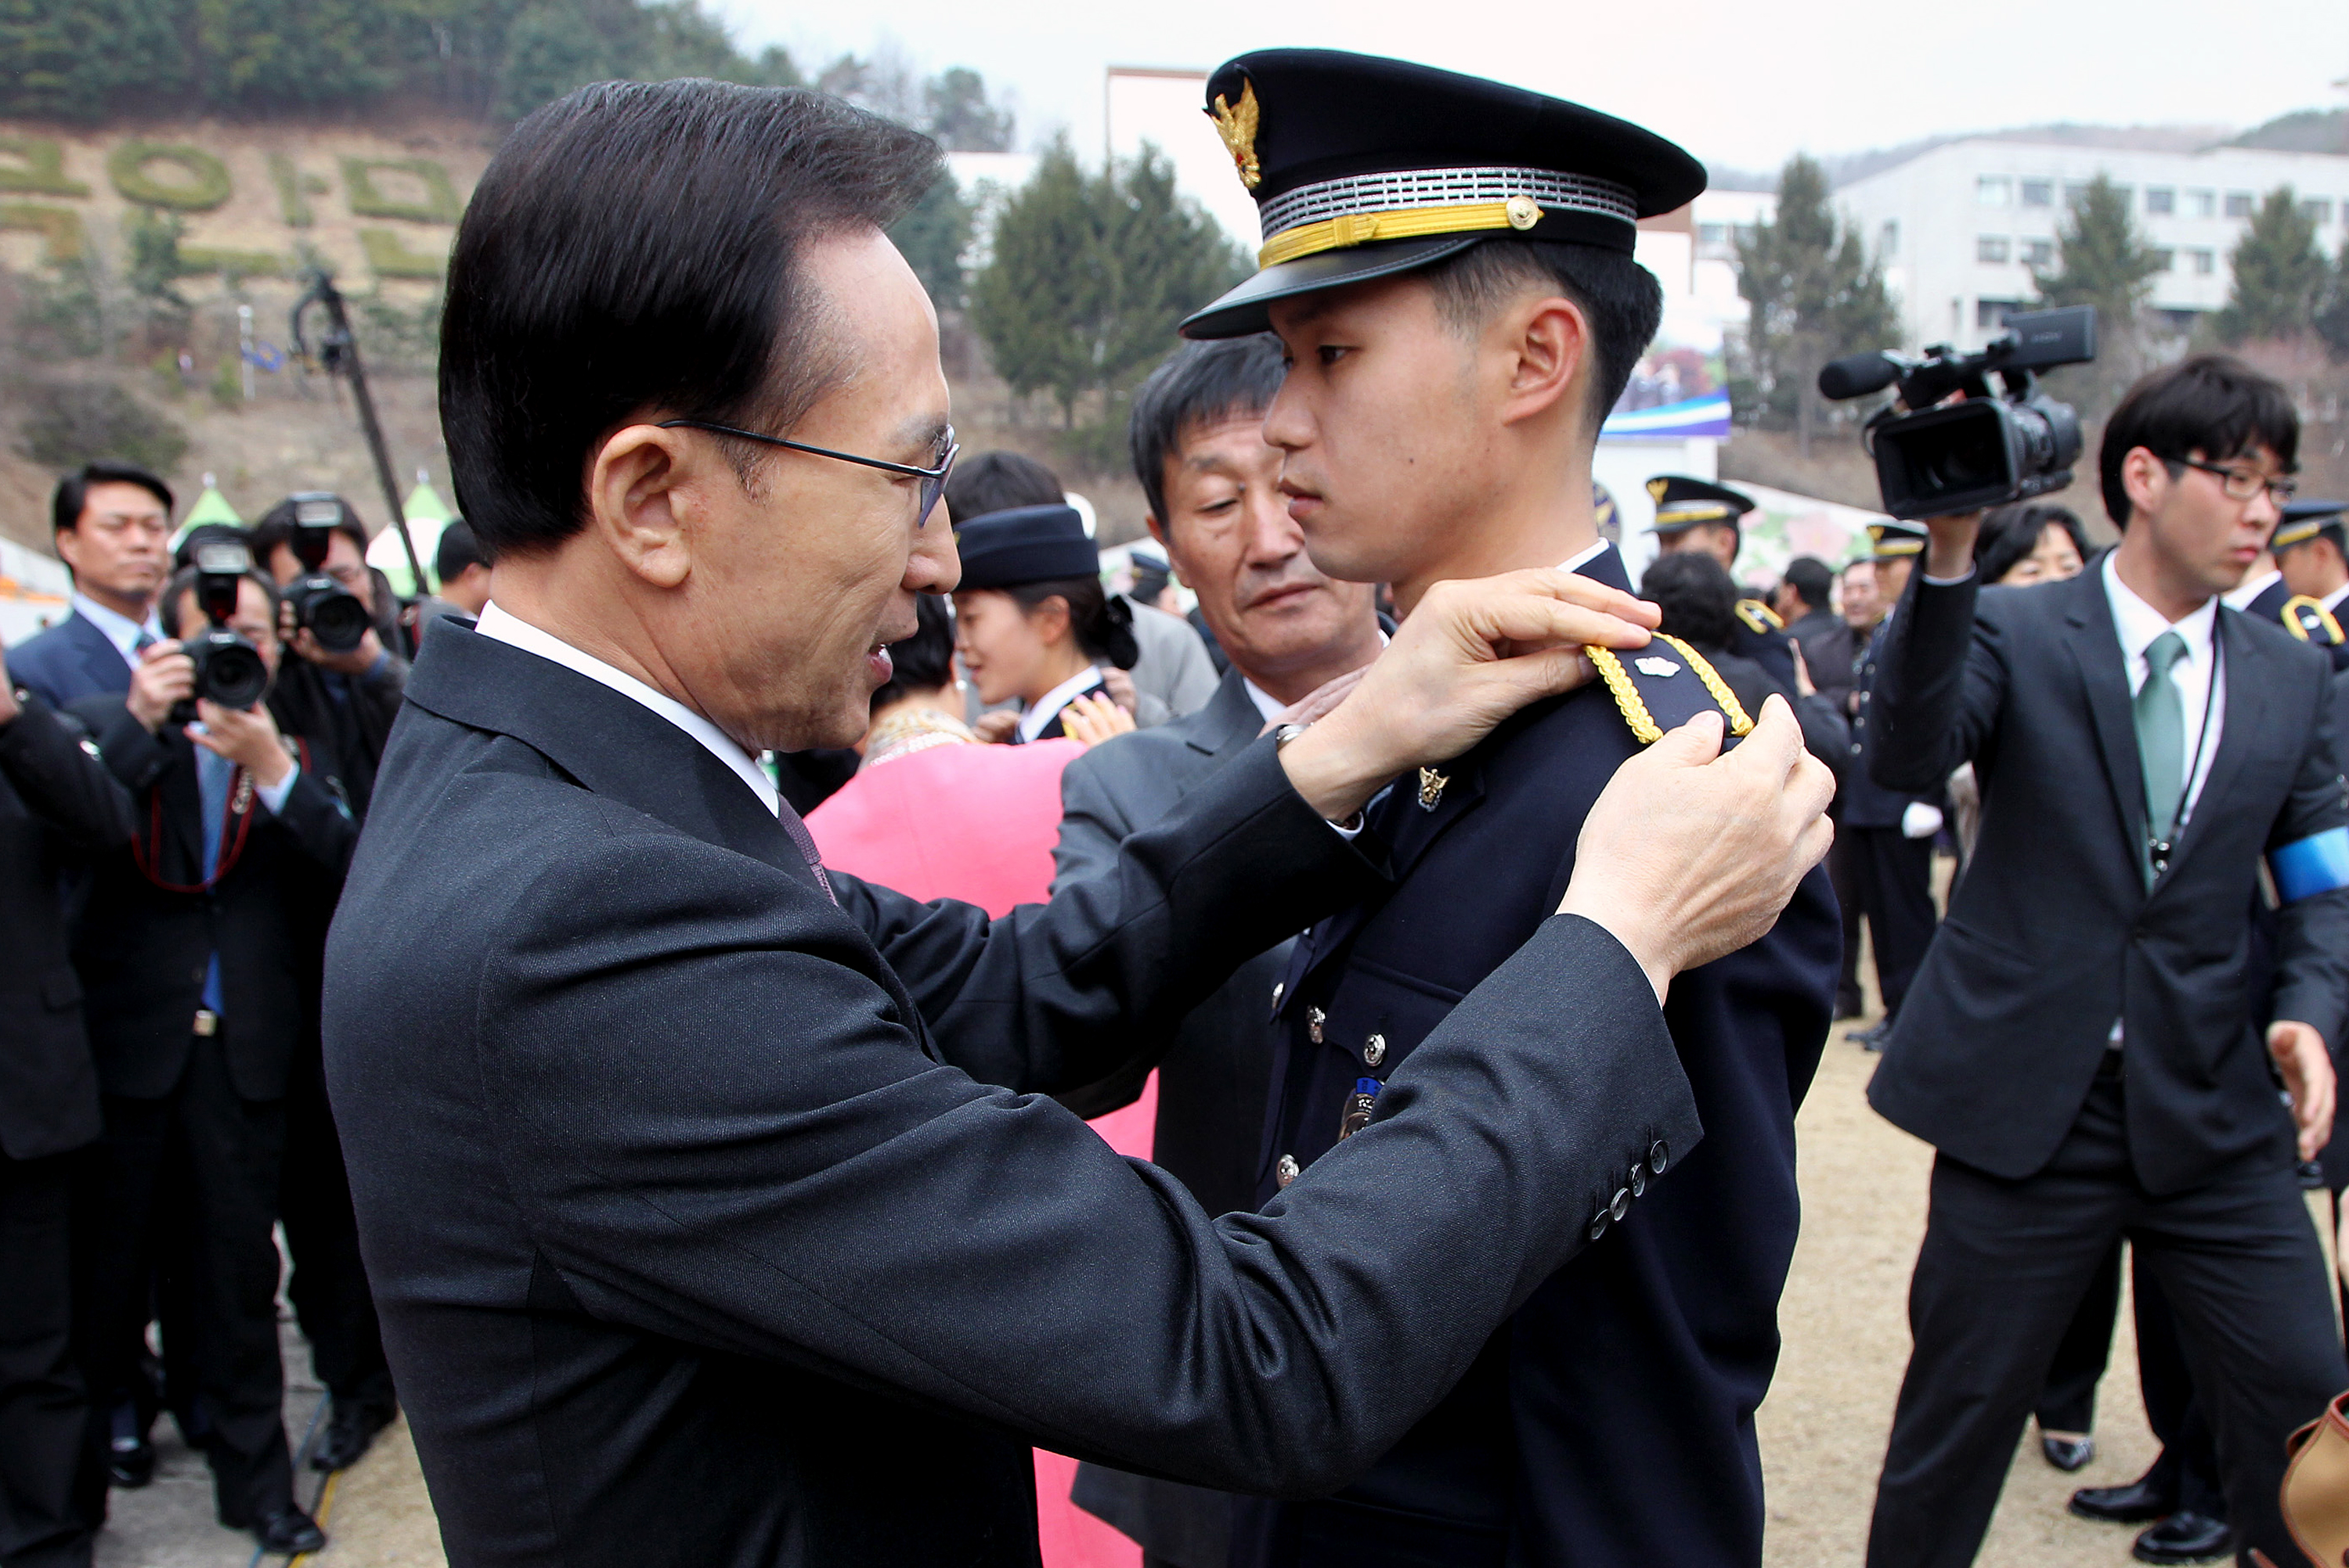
1403,189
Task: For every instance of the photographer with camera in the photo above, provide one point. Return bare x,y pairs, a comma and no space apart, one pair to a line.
197,956
2081,1043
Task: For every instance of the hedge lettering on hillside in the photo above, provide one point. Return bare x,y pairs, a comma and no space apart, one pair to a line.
202,183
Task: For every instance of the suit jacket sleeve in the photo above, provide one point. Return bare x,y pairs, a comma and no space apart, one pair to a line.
68,789
1093,824
2312,937
319,823
1940,681
1059,996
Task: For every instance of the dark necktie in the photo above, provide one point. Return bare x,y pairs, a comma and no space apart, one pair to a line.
806,842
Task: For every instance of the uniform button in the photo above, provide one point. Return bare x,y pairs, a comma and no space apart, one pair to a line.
1639,1180
1285,1170
1622,1202
1658,1156
1863,699
1599,1224
1855,749
1374,1051
1314,1019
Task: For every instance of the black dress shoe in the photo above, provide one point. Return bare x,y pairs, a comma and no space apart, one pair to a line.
351,1428
289,1532
2185,1537
130,1462
1870,1039
2068,1454
2135,1504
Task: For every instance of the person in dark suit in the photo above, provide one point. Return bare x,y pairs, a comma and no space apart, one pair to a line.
713,1204
1807,594
112,525
1701,516
1214,491
1885,837
2081,1044
57,804
2311,545
191,959
1698,603
1439,419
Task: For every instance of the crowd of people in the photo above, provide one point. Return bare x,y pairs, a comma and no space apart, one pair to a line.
676,957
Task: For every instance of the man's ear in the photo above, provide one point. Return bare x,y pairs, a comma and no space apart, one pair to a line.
646,488
1548,344
2145,479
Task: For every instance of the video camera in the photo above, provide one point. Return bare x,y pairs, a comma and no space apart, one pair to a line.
228,670
334,614
1990,447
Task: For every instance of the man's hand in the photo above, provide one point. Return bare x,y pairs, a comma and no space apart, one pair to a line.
1688,854
998,727
1093,718
1951,552
356,663
248,737
1119,684
1472,653
1318,704
2307,1067
163,675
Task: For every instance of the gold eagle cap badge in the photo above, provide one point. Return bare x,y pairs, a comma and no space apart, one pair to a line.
1656,489
1237,126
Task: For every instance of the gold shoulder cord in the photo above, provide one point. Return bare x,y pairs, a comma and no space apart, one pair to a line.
1634,707
2292,623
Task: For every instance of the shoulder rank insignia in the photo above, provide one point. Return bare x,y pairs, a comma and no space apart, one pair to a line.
1758,616
1431,788
1654,694
2310,622
1237,126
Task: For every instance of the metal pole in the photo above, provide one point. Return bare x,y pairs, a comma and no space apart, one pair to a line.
244,347
341,352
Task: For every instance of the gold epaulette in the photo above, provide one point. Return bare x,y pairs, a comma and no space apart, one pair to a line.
2303,617
1647,681
1758,616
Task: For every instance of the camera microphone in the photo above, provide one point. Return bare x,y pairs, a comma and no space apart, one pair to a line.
1857,375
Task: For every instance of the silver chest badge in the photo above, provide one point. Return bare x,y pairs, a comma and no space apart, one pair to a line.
1657,667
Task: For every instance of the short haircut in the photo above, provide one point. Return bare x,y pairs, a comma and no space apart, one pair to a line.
925,661
456,550
183,582
1808,577
276,528
1622,300
1696,595
2010,532
1199,384
2213,404
72,494
999,481
636,249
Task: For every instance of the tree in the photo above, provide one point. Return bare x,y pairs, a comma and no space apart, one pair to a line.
2279,274
933,237
2104,262
959,115
1812,294
2332,320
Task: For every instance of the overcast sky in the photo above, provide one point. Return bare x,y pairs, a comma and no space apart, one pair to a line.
1741,85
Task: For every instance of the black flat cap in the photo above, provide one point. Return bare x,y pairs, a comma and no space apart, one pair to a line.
1025,544
1363,167
1682,502
2304,519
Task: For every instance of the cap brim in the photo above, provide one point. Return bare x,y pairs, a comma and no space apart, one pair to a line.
1248,308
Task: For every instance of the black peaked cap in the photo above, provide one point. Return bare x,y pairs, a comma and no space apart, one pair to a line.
1682,502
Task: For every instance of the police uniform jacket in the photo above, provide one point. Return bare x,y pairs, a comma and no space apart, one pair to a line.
1754,633
1862,801
712,1221
1610,1422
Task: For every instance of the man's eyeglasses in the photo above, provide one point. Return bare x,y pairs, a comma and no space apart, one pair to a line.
2245,484
934,480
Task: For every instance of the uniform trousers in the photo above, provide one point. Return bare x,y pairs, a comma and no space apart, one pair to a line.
1843,871
1893,877
2002,1271
184,1190
51,1496
329,1286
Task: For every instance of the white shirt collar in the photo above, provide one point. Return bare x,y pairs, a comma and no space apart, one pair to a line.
2139,622
2332,600
2242,595
120,629
518,633
1034,718
1581,558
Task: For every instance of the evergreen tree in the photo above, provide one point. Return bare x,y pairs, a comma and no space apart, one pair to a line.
2103,260
1812,294
2332,315
266,52
2279,274
933,237
959,116
1041,298
1171,259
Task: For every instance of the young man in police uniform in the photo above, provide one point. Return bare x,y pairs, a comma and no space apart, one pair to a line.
1448,265
1696,514
2311,546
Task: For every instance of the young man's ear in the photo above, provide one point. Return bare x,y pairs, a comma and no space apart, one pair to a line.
1551,355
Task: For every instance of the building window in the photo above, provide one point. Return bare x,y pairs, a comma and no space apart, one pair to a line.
2161,201
1993,189
2317,210
2239,203
2182,322
2201,203
1888,241
2165,261
1992,312
2039,193
2040,254
2202,262
2074,193
1991,249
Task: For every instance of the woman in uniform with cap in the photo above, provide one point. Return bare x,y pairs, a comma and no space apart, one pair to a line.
1031,620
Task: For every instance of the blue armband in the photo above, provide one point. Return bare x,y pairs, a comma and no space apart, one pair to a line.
2306,867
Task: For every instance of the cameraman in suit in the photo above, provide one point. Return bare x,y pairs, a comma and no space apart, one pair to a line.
2081,1043
1214,489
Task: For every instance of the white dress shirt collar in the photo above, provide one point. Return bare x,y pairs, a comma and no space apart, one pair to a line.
1034,718
1582,558
518,633
2201,693
120,629
2139,623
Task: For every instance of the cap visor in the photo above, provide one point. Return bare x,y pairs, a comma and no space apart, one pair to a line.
1246,308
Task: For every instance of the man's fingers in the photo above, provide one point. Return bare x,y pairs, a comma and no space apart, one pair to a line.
1692,745
1775,741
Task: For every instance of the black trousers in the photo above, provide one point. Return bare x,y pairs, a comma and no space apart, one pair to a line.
1843,871
2068,1402
329,1286
1893,879
2002,1269
184,1190
52,1496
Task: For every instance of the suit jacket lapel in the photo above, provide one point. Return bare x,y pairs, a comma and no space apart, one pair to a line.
2104,680
1230,720
100,659
2247,695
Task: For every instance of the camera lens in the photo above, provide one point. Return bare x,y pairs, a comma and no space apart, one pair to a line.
334,614
229,671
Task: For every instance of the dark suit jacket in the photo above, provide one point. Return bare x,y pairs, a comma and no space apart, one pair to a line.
1610,1422
142,950
1862,799
2053,933
69,662
712,1223
1828,650
57,804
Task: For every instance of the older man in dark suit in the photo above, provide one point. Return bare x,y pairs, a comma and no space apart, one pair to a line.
112,525
2082,1044
706,1199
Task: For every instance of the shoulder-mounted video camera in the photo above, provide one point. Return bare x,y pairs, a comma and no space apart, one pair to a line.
228,669
1934,458
332,612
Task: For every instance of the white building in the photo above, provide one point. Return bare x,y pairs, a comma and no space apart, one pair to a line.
1959,228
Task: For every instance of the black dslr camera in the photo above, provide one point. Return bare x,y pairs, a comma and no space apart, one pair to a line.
334,614
228,670
1989,449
